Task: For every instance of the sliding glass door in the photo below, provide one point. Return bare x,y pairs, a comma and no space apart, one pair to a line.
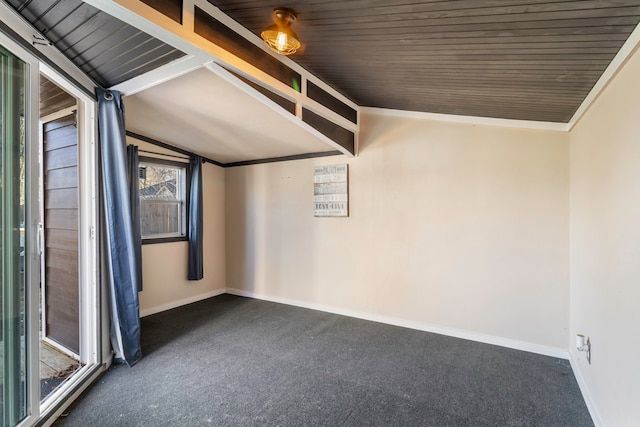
14,206
26,239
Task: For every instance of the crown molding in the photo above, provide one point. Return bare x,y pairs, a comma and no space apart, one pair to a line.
626,51
486,121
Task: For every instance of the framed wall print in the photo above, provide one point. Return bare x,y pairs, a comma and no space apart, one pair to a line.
331,191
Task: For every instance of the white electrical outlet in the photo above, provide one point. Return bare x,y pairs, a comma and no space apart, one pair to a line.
583,343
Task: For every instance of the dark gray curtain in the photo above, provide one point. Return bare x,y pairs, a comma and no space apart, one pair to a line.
133,164
120,244
196,271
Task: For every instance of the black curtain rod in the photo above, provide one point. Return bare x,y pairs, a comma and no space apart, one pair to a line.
171,147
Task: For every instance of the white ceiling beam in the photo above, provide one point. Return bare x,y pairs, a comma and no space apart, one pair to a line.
227,76
244,32
162,74
152,22
202,52
183,37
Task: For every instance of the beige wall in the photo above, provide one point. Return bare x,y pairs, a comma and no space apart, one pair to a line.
455,227
462,227
164,265
605,247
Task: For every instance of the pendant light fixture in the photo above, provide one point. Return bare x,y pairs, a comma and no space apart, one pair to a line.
279,36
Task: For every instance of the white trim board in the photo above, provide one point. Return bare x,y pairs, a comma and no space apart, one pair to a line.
628,48
475,120
180,302
230,78
162,74
472,336
58,114
232,24
631,45
593,411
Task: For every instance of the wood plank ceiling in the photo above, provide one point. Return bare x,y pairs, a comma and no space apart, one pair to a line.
513,59
105,48
53,98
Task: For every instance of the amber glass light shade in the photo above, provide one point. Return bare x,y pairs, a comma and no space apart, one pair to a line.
279,36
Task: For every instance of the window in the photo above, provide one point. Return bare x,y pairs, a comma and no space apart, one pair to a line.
163,199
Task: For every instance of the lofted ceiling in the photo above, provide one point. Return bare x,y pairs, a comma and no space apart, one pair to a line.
512,59
107,49
534,60
202,112
199,111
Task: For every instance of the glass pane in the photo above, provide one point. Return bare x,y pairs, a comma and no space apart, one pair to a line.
159,218
161,193
159,182
12,238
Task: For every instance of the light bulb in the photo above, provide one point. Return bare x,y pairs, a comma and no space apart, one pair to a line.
281,42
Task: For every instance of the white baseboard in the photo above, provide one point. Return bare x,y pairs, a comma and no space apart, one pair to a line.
181,302
593,411
472,336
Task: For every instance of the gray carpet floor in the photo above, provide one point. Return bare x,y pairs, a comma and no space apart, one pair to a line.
232,361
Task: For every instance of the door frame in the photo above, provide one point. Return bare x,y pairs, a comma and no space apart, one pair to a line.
87,238
43,271
15,36
32,216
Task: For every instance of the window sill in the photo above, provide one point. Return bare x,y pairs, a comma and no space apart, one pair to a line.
153,241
